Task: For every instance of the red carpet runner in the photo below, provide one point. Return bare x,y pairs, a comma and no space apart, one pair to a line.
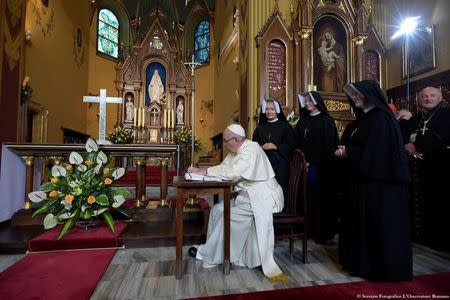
56,275
435,286
152,177
77,238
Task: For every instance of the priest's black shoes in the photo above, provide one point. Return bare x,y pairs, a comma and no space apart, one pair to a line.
193,252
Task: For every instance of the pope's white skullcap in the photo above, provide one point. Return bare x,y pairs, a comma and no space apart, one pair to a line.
237,129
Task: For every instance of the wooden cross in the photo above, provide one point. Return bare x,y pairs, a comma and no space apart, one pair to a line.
102,100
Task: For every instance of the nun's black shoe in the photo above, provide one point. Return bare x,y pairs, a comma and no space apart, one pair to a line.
193,252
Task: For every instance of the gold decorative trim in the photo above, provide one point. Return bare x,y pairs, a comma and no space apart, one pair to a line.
335,105
305,33
359,39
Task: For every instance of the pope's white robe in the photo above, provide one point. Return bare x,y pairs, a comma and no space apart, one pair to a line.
259,195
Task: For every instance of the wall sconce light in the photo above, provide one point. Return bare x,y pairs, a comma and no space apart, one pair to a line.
28,35
201,120
359,39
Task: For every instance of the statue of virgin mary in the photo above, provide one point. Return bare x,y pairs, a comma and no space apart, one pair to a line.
155,88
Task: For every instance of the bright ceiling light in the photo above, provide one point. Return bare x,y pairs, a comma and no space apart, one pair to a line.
408,25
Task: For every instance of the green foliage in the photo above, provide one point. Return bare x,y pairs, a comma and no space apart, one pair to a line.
183,137
80,189
121,135
292,119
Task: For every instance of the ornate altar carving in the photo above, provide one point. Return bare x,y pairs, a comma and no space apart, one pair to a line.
153,77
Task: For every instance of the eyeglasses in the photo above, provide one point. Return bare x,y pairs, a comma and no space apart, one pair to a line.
226,141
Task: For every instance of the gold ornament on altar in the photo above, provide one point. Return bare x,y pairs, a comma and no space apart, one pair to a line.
80,191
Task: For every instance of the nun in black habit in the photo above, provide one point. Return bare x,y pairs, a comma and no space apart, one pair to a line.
375,242
317,137
276,136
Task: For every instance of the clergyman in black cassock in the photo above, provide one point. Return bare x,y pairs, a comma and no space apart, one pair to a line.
317,137
276,136
427,140
375,239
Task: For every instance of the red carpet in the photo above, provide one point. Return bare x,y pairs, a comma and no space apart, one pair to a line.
77,238
56,275
426,286
152,177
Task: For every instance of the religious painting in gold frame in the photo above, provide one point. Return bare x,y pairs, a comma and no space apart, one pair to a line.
421,52
330,54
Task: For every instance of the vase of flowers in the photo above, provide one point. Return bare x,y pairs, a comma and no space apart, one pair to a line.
121,135
183,137
292,118
80,190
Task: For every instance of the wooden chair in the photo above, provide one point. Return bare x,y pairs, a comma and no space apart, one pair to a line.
291,222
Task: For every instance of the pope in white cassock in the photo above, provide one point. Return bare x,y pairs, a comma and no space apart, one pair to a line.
259,196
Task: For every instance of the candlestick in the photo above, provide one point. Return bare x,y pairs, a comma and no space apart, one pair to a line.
135,116
165,118
173,118
143,117
168,119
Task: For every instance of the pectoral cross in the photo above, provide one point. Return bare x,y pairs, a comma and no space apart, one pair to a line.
424,128
102,100
353,132
305,132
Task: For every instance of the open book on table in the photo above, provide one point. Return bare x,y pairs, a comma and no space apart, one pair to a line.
197,177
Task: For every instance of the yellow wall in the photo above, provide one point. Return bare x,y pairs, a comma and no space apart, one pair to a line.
102,74
204,81
58,82
226,72
431,12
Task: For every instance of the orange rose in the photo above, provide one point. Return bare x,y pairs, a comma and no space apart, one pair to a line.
108,181
69,167
53,193
105,171
54,180
89,162
91,199
68,198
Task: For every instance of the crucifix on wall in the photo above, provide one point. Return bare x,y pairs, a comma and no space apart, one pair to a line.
102,100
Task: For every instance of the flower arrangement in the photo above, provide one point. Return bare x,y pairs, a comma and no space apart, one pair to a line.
80,190
292,119
121,135
183,137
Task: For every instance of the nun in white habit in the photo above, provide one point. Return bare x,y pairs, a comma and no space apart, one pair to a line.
259,196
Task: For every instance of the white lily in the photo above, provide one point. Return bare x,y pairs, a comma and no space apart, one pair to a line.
118,173
91,145
67,206
58,171
101,158
37,196
118,201
81,168
65,216
75,158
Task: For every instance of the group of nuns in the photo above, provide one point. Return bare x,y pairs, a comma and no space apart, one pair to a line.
369,165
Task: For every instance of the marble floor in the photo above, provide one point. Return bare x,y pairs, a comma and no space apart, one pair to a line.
149,273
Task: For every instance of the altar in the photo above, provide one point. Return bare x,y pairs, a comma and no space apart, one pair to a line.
156,88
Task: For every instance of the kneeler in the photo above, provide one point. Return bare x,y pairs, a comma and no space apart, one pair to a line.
99,236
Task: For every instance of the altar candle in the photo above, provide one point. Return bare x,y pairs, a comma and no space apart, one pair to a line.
309,87
169,122
165,118
143,116
173,118
135,117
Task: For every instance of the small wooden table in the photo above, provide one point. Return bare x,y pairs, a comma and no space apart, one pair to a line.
184,190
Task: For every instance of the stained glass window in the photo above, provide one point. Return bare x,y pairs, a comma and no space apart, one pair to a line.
201,42
108,33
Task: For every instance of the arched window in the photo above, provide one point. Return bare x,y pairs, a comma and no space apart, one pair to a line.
108,33
201,42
